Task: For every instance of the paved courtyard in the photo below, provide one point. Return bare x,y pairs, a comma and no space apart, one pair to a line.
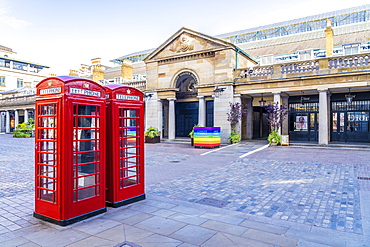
238,195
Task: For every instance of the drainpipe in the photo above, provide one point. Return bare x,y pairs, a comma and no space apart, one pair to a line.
236,57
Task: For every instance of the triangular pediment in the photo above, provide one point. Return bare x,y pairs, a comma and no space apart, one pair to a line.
185,42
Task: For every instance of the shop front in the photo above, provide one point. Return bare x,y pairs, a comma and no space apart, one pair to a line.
350,123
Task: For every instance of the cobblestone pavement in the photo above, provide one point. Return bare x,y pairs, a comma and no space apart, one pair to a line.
304,193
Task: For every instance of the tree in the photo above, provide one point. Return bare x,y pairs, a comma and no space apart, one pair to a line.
237,110
233,116
276,114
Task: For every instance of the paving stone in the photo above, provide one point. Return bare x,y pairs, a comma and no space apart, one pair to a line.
14,242
219,239
224,227
187,210
264,227
160,225
93,241
246,242
189,219
270,238
95,226
136,218
223,218
193,234
57,238
164,213
156,240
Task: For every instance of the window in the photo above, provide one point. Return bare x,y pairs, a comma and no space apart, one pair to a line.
267,60
19,82
305,55
20,66
351,49
2,81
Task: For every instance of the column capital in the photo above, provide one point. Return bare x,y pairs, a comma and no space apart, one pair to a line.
276,93
200,97
171,99
322,90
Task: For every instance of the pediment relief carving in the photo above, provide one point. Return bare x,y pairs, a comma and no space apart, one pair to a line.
187,44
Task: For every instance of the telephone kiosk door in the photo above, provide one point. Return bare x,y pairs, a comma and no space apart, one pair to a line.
125,145
70,150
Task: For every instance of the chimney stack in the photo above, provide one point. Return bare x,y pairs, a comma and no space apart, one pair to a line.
329,39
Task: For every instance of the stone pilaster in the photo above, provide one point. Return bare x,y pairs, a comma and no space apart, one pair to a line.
171,119
16,118
7,123
324,117
285,123
202,111
25,115
249,124
160,116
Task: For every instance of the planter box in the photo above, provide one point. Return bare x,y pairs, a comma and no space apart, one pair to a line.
156,139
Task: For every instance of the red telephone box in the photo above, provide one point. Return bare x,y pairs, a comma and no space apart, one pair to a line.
125,145
70,149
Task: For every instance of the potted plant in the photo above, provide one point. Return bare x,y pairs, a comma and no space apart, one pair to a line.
191,133
274,138
234,137
25,129
152,135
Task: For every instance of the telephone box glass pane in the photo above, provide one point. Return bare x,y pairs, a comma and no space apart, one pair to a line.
46,153
86,151
129,127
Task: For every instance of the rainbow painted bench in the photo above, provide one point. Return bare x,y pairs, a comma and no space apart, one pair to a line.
207,137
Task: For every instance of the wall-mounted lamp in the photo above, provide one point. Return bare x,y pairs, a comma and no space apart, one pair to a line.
218,91
147,96
349,97
262,101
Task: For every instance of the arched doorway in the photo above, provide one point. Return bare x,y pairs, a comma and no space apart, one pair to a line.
187,105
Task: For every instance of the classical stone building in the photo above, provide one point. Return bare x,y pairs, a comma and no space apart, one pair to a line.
315,65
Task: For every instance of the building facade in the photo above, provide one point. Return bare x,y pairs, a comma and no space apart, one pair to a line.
18,79
318,66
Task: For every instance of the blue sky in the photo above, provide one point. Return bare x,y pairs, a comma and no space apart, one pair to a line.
63,33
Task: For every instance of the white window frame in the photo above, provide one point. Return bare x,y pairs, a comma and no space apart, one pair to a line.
267,59
353,49
305,55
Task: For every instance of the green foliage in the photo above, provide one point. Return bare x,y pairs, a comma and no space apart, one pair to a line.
191,133
234,136
274,137
152,132
25,129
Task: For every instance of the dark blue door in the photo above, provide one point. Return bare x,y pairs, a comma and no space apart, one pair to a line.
186,117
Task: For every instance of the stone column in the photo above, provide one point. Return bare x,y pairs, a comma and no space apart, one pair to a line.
1,121
16,118
25,115
7,123
237,99
171,119
285,124
277,98
249,118
160,117
202,111
323,117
